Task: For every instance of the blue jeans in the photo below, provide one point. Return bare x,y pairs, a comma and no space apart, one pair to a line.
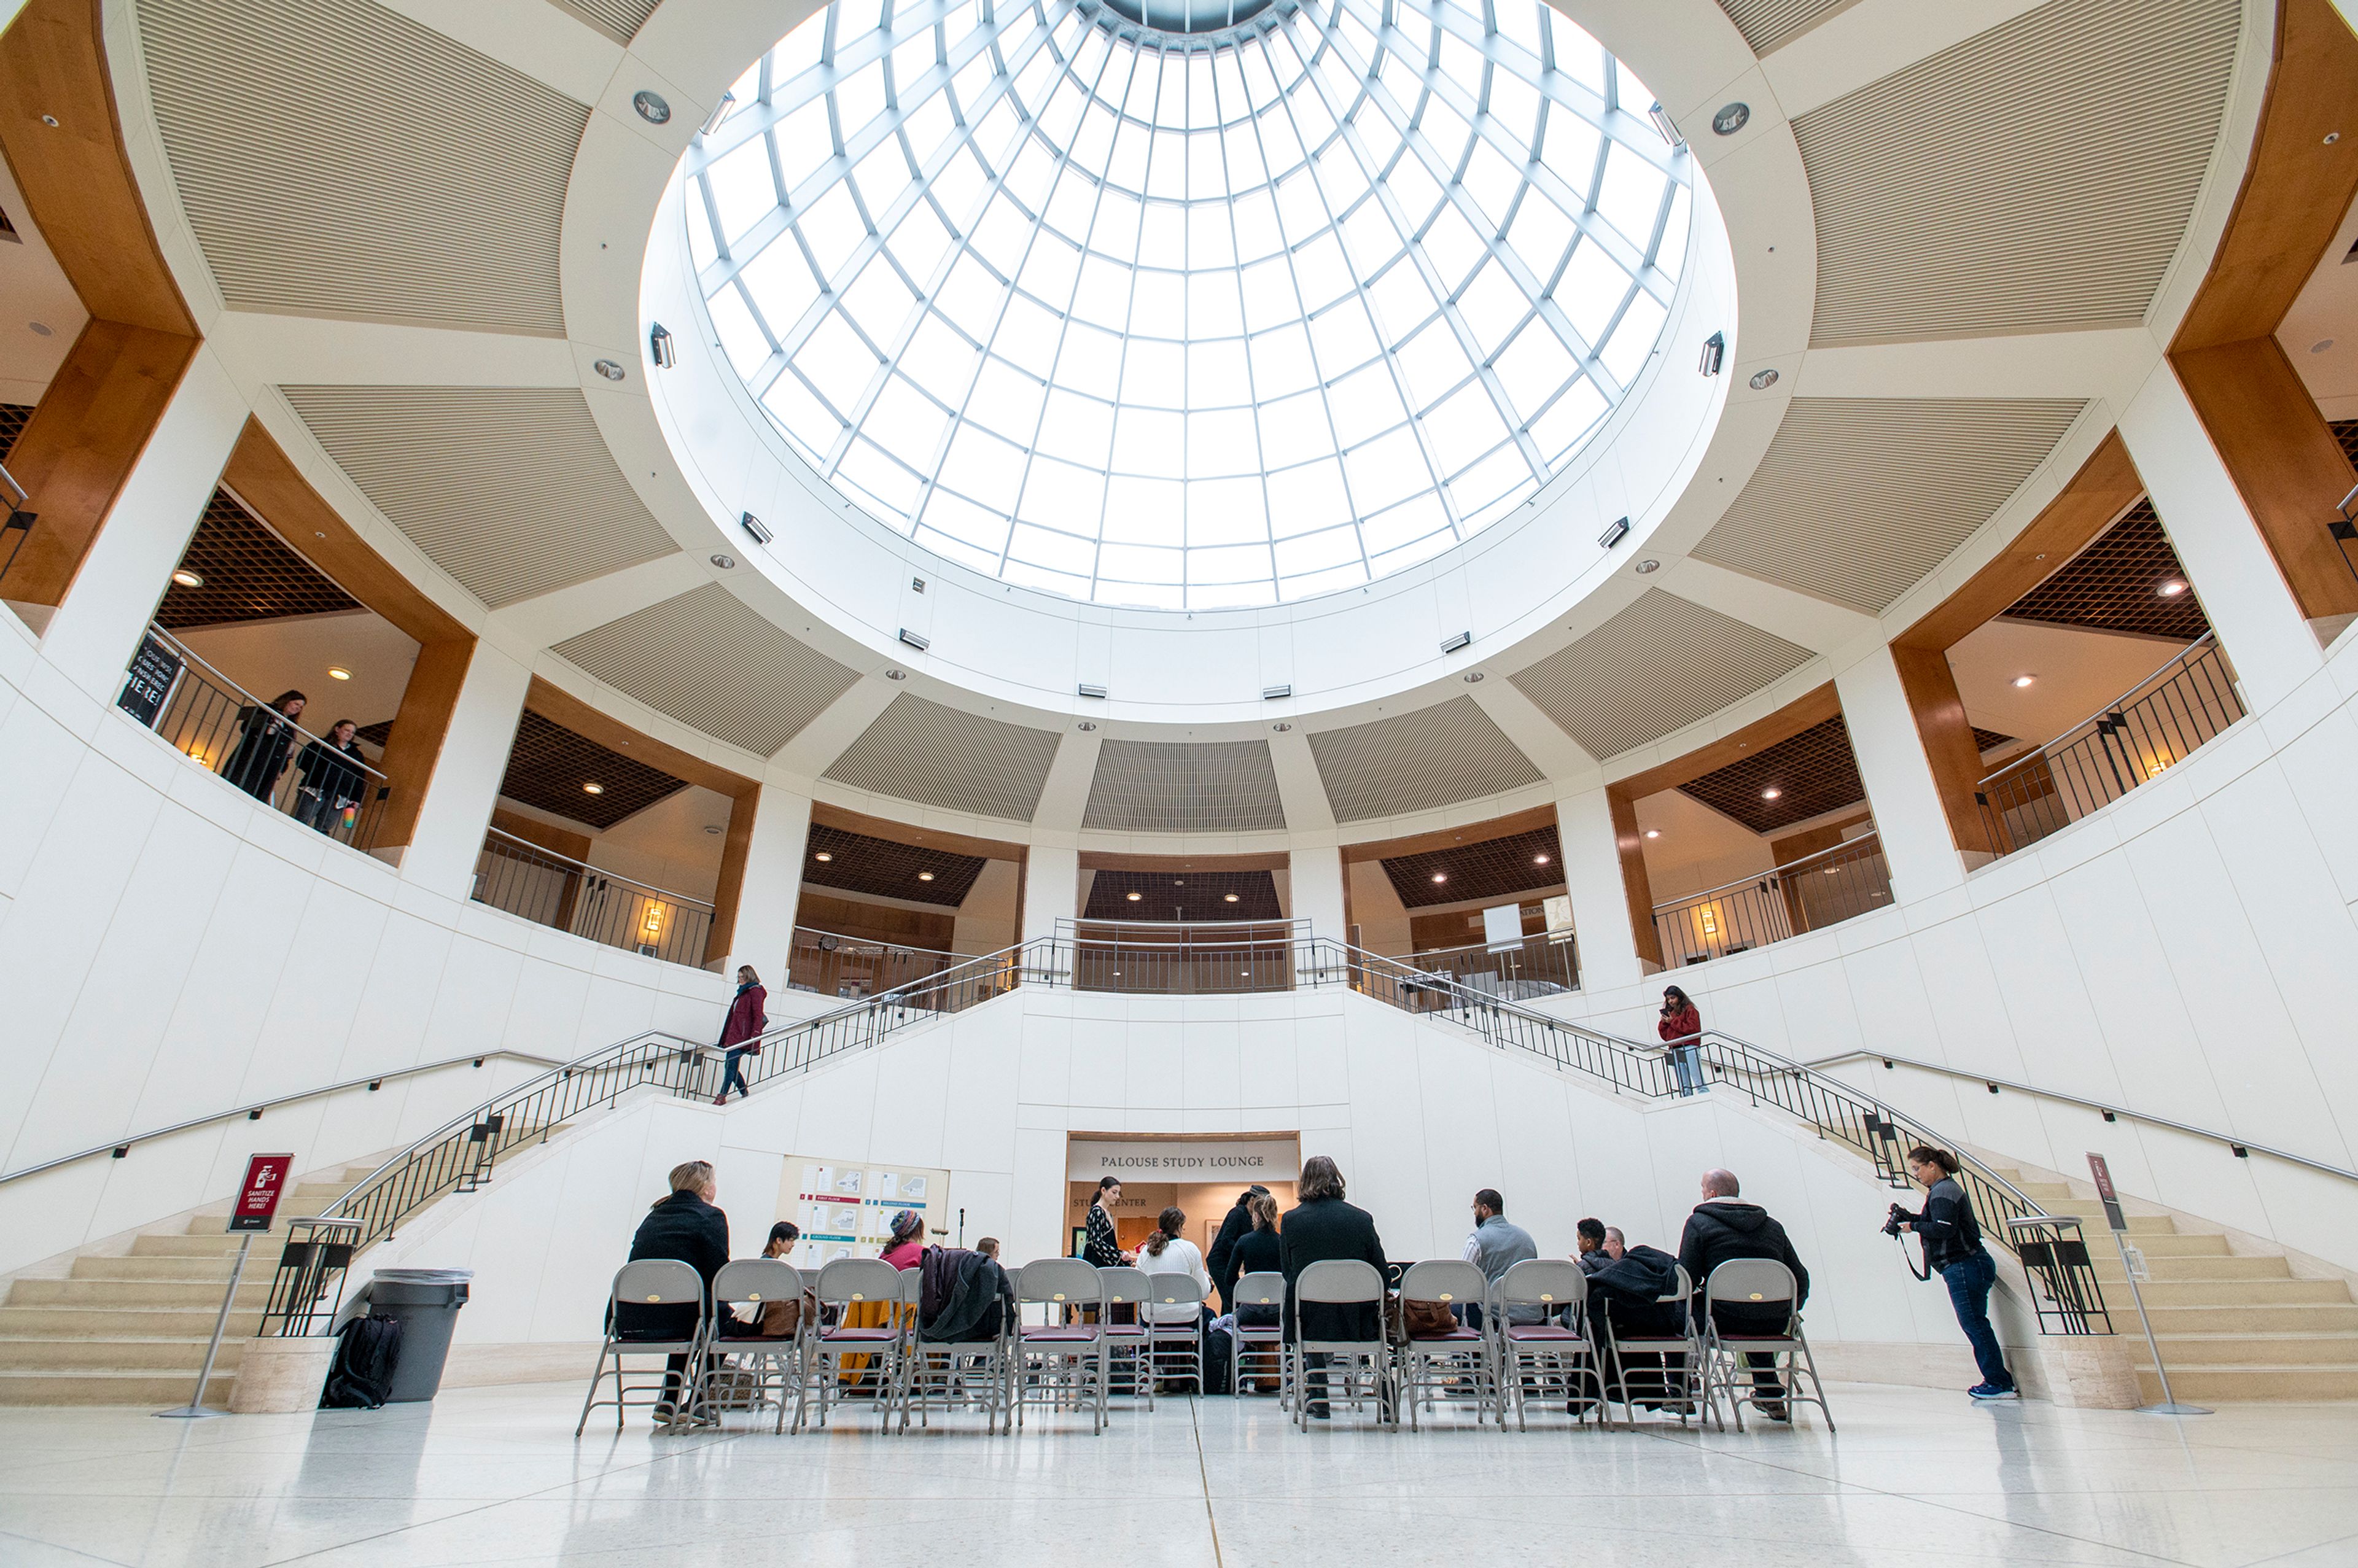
1969,1285
735,1074
1686,1061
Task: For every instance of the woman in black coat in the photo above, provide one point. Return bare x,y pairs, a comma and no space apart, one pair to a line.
1324,1228
331,769
683,1227
269,734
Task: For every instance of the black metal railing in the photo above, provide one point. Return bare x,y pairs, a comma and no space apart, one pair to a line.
460,1156
2156,725
605,906
1808,894
1190,958
853,967
216,722
1543,965
307,1290
19,527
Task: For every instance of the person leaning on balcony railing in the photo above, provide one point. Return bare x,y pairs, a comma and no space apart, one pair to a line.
1953,1249
1681,1027
334,775
740,1032
267,735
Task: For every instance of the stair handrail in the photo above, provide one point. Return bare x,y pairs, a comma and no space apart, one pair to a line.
2108,1107
120,1147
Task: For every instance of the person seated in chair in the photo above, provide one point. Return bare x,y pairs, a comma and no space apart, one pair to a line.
1721,1227
1497,1245
686,1227
1625,1287
772,1319
1325,1227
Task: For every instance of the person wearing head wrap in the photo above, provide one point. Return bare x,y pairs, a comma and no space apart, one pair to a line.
908,1243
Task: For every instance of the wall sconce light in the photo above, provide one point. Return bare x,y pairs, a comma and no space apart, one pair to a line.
660,347
1715,353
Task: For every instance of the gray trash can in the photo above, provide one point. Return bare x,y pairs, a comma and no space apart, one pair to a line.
427,1300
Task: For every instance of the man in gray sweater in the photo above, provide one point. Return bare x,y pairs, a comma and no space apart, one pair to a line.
1497,1245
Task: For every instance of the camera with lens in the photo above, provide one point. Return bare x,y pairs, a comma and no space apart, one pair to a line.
1896,1220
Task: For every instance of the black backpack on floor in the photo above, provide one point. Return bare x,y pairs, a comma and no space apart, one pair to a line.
368,1350
1219,1362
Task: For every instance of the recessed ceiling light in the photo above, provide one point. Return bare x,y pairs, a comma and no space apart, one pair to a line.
609,369
714,828
337,672
1133,897
1653,832
1282,729
1539,859
2319,346
188,578
1763,380
824,855
925,876
40,329
1441,876
1085,727
1771,793
2172,588
1647,567
1227,898
593,788
2021,681
725,562
896,674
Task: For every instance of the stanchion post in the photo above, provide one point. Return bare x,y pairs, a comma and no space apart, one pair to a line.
2115,1218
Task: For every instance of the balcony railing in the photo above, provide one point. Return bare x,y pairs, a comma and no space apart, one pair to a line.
853,967
1543,965
1808,894
2156,725
218,723
1185,959
552,890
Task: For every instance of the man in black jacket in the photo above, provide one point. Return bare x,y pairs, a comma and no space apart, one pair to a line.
683,1227
1721,1227
1326,1226
1222,1263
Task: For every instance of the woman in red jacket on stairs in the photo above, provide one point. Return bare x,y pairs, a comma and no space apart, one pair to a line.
741,1036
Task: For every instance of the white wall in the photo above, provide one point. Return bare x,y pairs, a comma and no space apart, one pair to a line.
992,1093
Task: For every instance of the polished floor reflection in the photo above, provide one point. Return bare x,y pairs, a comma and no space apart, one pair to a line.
494,1475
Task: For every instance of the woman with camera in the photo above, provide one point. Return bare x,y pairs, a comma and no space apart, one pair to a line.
1952,1248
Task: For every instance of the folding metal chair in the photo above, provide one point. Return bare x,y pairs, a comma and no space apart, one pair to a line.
1261,1343
1680,1389
1453,1364
770,1363
971,1371
1176,1346
1129,1345
1758,1285
1363,1367
651,1282
1549,1359
1062,1359
846,1284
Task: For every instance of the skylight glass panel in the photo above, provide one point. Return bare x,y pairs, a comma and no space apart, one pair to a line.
1098,313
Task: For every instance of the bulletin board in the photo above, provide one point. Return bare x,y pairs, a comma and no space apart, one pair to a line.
846,1209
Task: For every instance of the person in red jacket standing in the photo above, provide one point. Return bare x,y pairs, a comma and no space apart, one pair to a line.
741,1036
1681,1027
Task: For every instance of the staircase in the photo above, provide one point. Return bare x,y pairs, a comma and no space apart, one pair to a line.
131,1329
2233,1327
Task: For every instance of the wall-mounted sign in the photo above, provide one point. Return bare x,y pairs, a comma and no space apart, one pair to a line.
1185,1159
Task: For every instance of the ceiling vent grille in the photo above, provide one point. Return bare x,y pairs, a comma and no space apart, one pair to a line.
1204,786
1769,25
335,157
2037,176
941,756
510,490
1696,662
618,19
1436,756
715,665
1858,498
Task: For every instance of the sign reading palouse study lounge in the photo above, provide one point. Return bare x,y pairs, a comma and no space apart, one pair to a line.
1185,1159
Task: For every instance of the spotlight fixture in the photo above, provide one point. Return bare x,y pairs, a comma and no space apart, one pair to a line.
1715,353
2172,588
1450,645
2021,681
1133,897
338,672
1272,693
1647,566
1539,859
1282,729
896,674
651,107
1441,876
1086,728
592,786
1731,118
1472,678
725,562
925,876
755,526
1653,832
1771,793
1614,532
609,369
1085,688
719,113
188,578
823,854
1663,124
1227,898
915,641
660,348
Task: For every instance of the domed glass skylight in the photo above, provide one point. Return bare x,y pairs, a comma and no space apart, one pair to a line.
1187,303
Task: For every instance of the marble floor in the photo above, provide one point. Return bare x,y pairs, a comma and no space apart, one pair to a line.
494,1475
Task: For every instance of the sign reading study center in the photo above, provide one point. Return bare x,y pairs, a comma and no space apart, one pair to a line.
1185,1159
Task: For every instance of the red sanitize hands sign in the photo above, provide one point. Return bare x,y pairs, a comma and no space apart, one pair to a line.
257,1196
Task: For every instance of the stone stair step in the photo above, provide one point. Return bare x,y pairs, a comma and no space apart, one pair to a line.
118,1353
2168,1269
2258,1349
2232,1292
255,1291
2176,1244
2245,1317
148,1266
195,1244
154,1389
2254,1385
128,1322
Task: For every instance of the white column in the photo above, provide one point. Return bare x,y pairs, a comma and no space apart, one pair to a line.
92,636
1315,878
1901,789
2226,557
773,883
1600,906
466,783
1052,887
